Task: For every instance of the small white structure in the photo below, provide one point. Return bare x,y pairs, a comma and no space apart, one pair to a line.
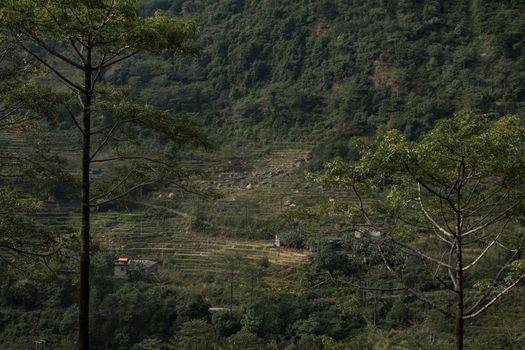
374,233
277,241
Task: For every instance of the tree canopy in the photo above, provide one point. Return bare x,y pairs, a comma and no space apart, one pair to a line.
453,199
77,41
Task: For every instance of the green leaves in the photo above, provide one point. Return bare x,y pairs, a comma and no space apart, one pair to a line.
113,29
11,202
161,32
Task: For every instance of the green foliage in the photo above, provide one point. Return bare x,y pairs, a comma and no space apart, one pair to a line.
331,72
25,246
443,202
295,238
193,335
327,71
197,219
398,315
330,260
120,26
194,307
225,324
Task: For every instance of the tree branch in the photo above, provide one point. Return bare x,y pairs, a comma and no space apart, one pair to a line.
498,275
79,53
99,148
124,193
411,290
465,268
113,189
75,120
115,60
123,158
417,252
494,220
54,70
57,54
25,252
499,295
429,218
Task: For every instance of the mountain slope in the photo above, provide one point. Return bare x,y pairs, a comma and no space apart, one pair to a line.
330,70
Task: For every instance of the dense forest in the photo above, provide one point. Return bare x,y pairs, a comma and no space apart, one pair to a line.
310,174
331,70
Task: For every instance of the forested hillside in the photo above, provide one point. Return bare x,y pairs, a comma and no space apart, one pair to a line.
330,70
358,182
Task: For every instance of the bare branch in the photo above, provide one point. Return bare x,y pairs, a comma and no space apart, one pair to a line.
427,215
362,208
417,252
115,59
479,204
411,290
53,52
438,195
125,193
123,158
498,275
494,220
450,274
453,289
109,126
472,192
113,189
106,139
378,289
6,125
75,120
26,252
97,74
106,17
486,248
443,215
80,100
76,16
499,295
54,70
10,113
79,52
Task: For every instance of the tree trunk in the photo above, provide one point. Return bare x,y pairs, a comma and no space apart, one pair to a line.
459,327
231,293
83,324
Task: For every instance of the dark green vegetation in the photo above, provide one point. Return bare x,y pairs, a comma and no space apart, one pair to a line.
274,81
318,70
77,42
459,191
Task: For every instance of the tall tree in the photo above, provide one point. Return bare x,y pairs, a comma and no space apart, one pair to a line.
454,200
77,41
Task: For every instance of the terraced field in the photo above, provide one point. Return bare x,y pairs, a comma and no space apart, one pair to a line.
257,189
138,235
260,187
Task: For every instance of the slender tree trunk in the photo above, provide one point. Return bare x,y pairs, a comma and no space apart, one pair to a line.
459,327
231,292
83,326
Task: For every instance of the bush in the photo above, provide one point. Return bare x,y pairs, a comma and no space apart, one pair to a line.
331,260
294,239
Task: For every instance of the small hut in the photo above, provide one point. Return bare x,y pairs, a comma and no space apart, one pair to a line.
124,265
121,267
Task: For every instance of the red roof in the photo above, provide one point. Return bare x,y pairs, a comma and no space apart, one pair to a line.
123,259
